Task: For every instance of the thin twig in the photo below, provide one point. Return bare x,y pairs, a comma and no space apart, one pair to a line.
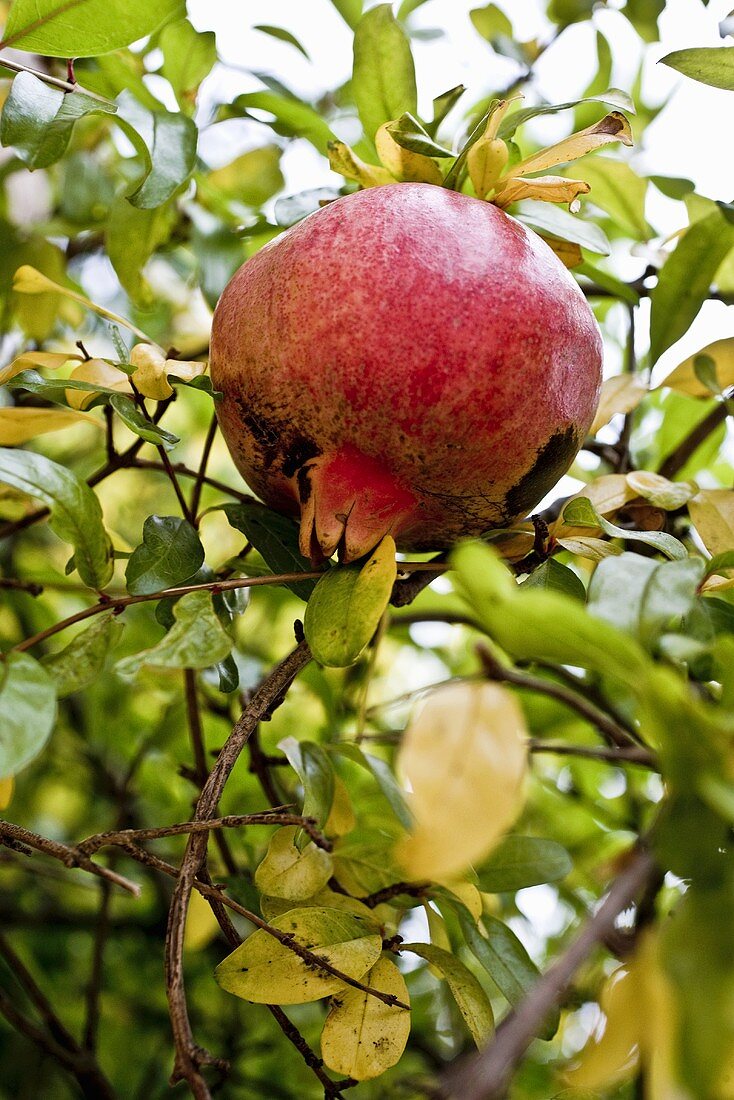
633,754
54,81
94,988
31,587
485,1076
20,840
201,473
675,461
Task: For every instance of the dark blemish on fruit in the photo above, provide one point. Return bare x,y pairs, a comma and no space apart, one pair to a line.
265,433
299,451
551,463
303,478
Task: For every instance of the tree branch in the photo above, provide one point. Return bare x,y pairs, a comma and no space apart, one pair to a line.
21,840
485,1075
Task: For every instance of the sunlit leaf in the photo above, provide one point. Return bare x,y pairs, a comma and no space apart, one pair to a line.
313,767
347,604
290,872
685,378
620,394
345,161
196,639
102,376
522,861
471,1000
581,513
28,706
86,28
188,57
19,425
712,514
363,1036
465,759
551,219
266,971
713,65
383,80
402,163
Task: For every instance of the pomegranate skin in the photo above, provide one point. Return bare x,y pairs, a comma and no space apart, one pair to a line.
406,360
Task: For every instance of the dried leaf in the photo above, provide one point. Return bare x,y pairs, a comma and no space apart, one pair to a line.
18,425
613,127
620,394
543,188
346,162
712,514
97,372
686,377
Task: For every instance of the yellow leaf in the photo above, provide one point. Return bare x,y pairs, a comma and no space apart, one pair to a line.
620,394
100,373
344,161
7,786
465,760
152,369
497,112
659,491
568,252
265,971
543,188
712,514
341,819
592,549
467,893
201,924
28,280
325,899
613,127
608,494
684,380
288,871
486,161
402,163
18,425
362,1035
47,359
606,1061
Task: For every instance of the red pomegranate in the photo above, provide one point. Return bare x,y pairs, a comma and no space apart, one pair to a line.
407,360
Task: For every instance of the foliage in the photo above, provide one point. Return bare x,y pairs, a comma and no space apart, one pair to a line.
369,846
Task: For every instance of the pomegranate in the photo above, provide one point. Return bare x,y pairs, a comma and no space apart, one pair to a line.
406,360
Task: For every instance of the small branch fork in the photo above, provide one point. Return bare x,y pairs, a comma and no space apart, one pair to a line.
485,1076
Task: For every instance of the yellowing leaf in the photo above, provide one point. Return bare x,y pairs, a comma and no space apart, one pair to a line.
7,786
288,871
620,394
362,1035
568,252
464,759
18,425
402,163
470,997
100,373
684,378
344,161
613,127
201,924
659,491
341,819
325,899
152,369
47,359
592,549
613,1057
29,280
543,188
712,514
266,971
347,604
467,893
608,494
486,161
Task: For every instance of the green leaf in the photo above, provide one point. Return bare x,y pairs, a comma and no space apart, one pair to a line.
442,104
545,626
669,596
410,134
266,971
346,607
170,554
613,97
197,639
384,777
620,193
566,12
522,861
551,575
685,280
37,120
383,78
471,1000
253,178
282,35
28,707
292,117
188,57
712,65
290,872
83,28
275,537
167,144
490,22
314,769
79,663
643,15
350,11
132,236
546,218
506,961
617,587
580,512
133,418
76,515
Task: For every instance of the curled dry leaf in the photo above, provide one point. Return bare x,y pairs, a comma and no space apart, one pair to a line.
152,369
346,162
613,127
464,759
620,394
98,372
362,1035
543,188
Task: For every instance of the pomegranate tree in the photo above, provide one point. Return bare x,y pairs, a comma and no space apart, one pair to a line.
407,360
